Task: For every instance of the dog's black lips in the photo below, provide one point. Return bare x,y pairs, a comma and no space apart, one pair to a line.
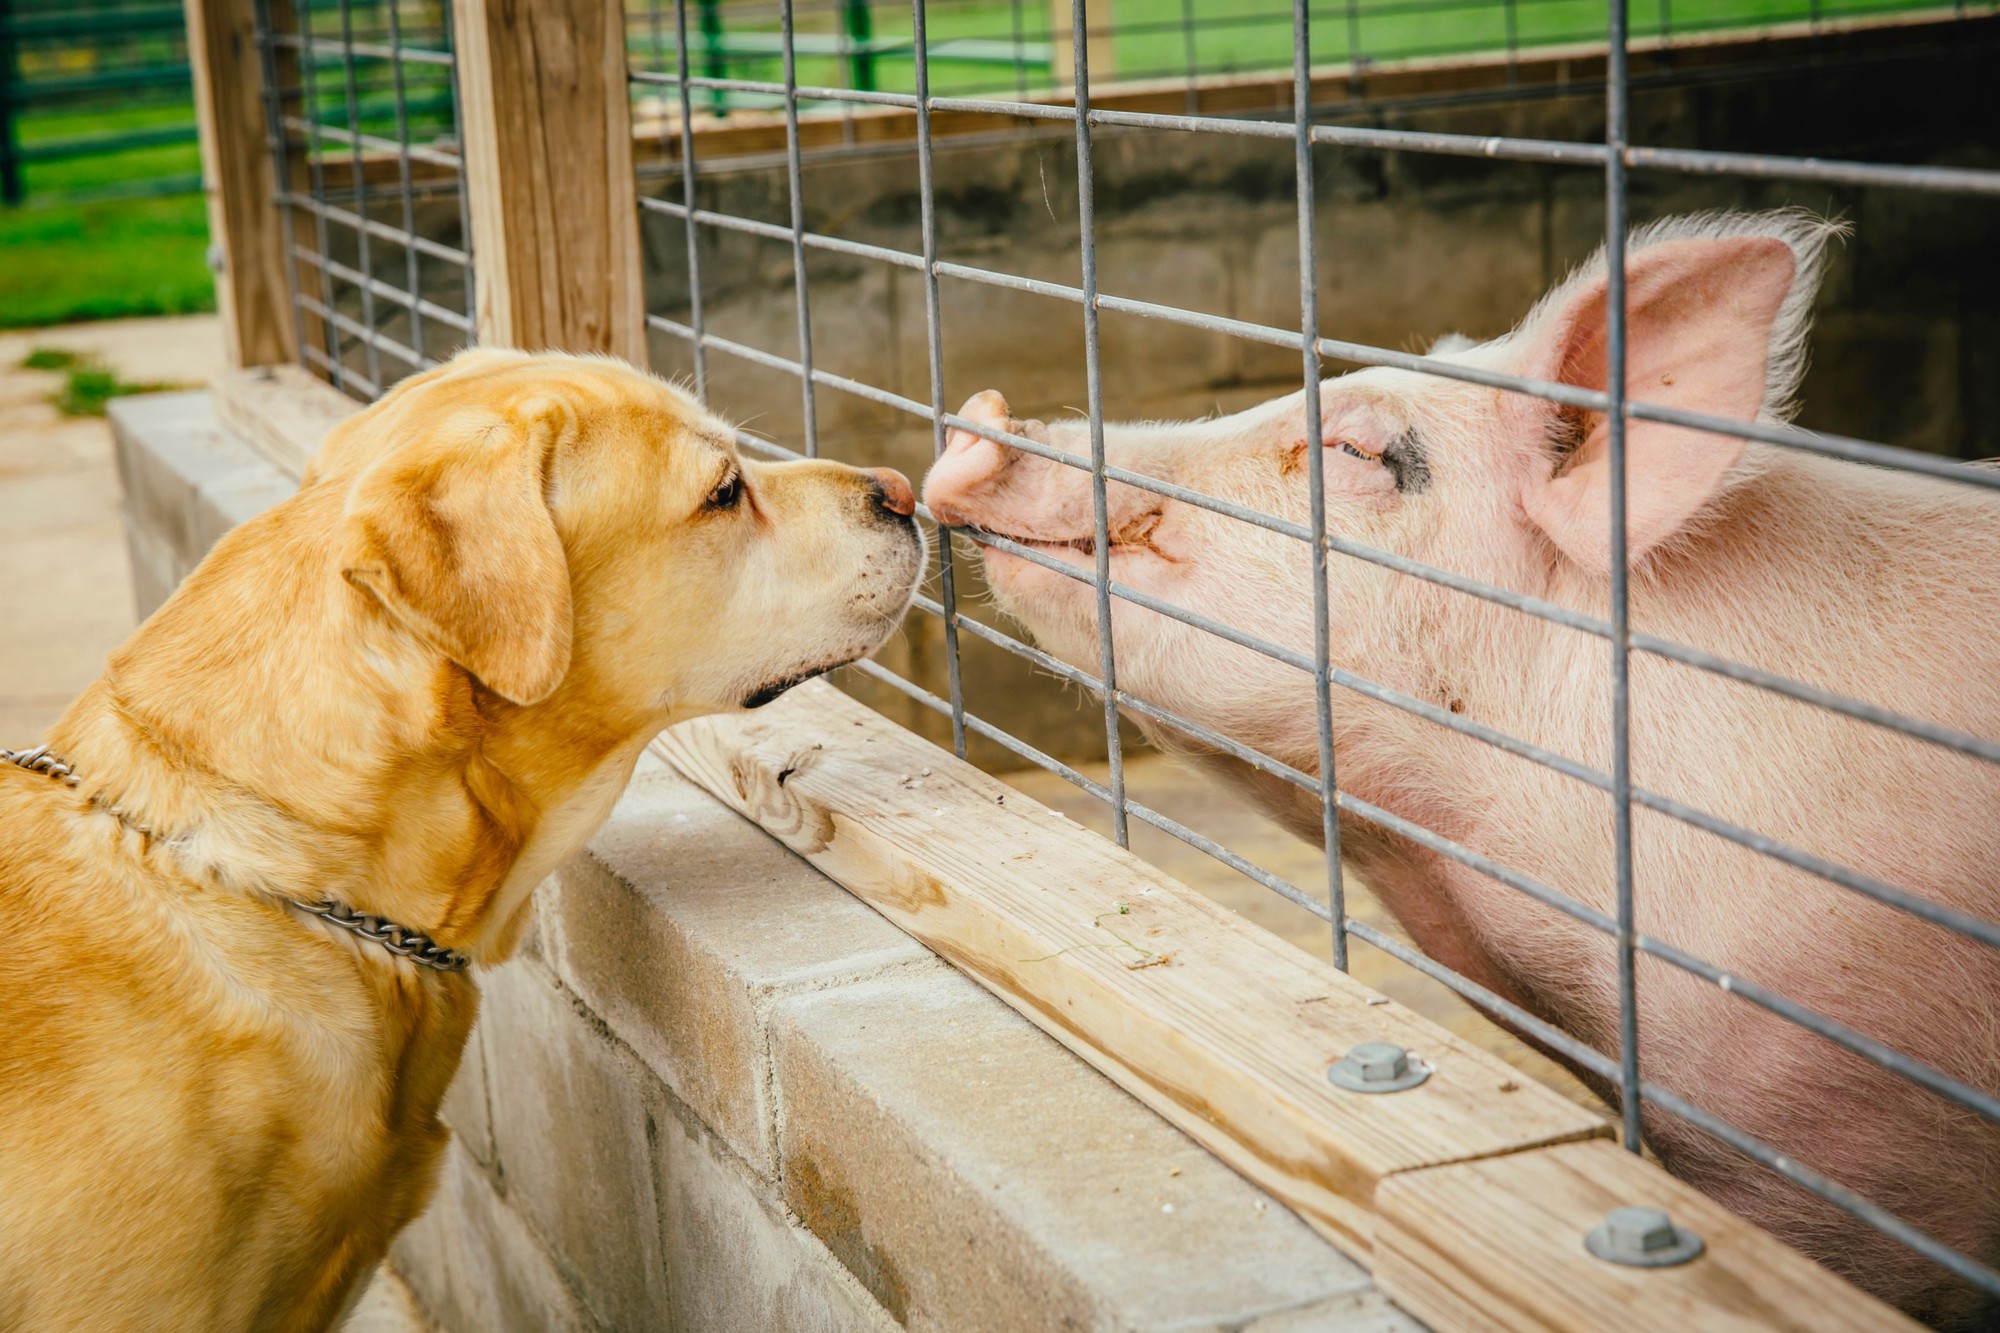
766,693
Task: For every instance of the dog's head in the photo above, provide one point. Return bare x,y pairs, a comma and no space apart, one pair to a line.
569,524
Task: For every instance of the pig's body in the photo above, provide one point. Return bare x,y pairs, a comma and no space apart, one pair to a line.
1871,584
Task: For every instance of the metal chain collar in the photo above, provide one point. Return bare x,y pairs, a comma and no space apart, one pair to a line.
400,940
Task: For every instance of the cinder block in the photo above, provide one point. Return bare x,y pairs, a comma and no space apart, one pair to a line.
387,1305
974,1175
572,1118
475,1268
224,502
681,923
465,1108
530,945
170,447
1354,1312
153,575
733,1259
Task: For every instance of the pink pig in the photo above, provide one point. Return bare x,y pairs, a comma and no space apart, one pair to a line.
1870,583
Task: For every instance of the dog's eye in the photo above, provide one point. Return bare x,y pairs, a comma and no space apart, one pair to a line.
726,493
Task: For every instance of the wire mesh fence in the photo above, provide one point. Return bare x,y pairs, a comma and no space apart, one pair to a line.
713,229
360,108
749,273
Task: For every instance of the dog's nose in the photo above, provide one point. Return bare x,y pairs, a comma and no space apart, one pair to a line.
892,491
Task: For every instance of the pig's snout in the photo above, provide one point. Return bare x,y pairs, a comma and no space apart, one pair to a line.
979,483
971,463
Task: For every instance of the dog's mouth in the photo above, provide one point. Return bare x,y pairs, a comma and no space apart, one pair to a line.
764,694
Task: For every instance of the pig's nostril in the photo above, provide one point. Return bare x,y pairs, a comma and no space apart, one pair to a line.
892,491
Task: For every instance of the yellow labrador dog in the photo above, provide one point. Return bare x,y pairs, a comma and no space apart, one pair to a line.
239,889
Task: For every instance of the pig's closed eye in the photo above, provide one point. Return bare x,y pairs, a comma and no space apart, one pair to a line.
1348,447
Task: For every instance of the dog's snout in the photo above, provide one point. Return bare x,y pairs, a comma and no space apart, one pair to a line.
892,491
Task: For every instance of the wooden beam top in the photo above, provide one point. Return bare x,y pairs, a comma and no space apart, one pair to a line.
282,411
1498,1244
1217,1024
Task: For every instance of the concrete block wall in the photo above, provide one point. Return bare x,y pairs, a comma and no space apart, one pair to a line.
716,1092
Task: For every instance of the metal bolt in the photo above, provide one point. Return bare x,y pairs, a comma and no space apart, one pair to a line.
1642,1238
1377,1066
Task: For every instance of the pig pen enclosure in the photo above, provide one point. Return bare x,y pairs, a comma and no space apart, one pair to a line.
836,223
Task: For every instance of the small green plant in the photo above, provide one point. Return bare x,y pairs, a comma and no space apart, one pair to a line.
50,358
88,384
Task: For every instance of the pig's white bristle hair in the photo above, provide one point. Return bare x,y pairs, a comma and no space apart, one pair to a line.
1449,343
1805,232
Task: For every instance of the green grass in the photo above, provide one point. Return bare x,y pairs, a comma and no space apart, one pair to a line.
74,251
88,384
95,171
1229,36
104,261
106,258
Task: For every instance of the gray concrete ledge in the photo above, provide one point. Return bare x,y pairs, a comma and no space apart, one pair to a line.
186,481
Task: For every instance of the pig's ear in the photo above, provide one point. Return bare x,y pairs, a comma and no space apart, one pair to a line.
1716,324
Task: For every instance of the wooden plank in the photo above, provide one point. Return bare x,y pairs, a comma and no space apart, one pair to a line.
546,119
1498,1245
1218,1025
239,178
282,411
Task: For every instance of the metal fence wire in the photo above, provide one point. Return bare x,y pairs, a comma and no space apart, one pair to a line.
1615,157
360,108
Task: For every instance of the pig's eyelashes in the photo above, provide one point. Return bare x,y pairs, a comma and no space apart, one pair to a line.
1348,447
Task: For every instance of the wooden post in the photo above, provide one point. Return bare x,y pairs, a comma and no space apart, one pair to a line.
238,178
546,119
1098,45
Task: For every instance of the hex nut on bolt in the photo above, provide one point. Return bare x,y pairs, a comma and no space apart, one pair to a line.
1378,1066
1642,1238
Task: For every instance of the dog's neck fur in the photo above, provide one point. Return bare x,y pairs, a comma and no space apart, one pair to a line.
361,765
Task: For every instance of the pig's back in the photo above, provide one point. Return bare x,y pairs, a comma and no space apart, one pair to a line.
1877,587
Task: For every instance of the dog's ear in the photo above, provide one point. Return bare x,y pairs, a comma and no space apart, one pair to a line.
455,539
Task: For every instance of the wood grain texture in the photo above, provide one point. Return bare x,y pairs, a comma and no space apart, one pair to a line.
239,179
1498,1245
546,119
1215,1023
282,411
